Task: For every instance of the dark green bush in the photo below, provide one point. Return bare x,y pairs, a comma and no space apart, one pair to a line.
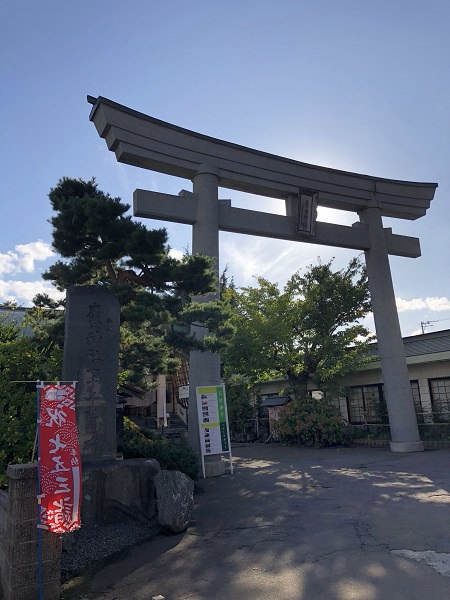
173,455
435,431
311,422
370,432
22,358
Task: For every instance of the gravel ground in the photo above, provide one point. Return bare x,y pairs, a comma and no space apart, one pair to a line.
89,546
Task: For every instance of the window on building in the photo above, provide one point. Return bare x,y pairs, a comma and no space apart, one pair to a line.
440,399
415,390
366,404
335,403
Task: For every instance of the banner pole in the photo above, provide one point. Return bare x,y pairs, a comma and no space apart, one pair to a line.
39,530
228,428
35,443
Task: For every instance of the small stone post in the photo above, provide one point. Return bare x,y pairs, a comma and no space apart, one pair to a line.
20,562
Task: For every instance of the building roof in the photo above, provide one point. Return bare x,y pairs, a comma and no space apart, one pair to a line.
419,349
427,343
270,401
13,314
424,343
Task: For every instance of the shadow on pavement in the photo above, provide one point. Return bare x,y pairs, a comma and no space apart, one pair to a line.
303,524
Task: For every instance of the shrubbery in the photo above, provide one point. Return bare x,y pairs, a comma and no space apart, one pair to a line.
173,455
22,359
311,422
17,427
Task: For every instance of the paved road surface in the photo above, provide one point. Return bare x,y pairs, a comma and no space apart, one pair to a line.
302,524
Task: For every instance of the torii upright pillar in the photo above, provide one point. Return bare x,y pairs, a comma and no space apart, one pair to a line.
397,387
204,367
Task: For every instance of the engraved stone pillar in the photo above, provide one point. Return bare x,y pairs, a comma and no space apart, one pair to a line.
402,416
91,357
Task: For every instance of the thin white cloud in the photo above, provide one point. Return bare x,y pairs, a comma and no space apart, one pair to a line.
248,257
23,292
173,253
432,303
24,256
8,263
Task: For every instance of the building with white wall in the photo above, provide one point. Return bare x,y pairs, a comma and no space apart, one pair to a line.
363,402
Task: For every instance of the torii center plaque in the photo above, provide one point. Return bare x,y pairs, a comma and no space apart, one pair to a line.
143,141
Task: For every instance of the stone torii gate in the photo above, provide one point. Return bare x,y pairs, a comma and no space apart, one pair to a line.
143,141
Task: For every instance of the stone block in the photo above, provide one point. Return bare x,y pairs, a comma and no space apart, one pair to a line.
214,468
18,576
22,509
19,549
131,487
23,488
119,490
175,500
3,512
50,591
24,551
17,529
21,553
22,472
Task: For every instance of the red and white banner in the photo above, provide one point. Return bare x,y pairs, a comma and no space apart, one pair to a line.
59,459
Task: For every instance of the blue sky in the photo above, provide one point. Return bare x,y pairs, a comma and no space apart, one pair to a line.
350,84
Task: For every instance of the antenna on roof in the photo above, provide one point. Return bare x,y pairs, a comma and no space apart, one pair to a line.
424,324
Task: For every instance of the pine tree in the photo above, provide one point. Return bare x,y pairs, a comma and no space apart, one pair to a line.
100,244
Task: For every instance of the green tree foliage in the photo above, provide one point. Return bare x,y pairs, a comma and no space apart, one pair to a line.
307,333
241,413
22,359
100,244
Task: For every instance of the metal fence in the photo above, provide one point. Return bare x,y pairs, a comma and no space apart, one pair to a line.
427,431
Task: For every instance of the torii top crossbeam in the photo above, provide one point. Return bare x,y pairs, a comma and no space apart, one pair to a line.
143,141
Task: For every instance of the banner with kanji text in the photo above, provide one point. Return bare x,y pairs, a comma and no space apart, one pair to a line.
59,459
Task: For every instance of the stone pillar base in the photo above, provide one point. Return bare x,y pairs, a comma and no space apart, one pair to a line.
407,446
214,468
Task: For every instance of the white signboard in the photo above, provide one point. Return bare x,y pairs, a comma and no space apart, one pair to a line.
183,392
213,422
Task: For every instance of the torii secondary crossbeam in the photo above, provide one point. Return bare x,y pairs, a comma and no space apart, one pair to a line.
143,141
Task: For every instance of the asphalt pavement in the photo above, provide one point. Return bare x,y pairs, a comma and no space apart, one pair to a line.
297,523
